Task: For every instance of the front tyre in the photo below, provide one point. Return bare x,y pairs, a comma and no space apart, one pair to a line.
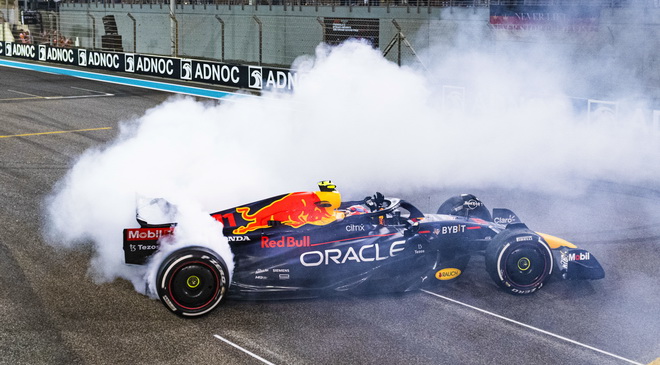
192,281
519,261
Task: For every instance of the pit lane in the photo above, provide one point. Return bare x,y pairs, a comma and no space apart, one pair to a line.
53,312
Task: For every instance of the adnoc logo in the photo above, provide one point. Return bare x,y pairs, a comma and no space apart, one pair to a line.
186,70
255,77
42,52
82,57
447,274
129,61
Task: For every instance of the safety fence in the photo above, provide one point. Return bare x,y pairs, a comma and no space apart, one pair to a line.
433,3
275,36
273,39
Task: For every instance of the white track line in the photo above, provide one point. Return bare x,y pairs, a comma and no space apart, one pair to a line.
23,93
532,328
92,91
244,350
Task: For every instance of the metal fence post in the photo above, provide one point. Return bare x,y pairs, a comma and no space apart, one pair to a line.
222,38
318,19
3,26
134,32
93,29
175,41
174,34
260,37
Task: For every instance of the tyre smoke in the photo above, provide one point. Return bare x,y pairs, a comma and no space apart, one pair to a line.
360,120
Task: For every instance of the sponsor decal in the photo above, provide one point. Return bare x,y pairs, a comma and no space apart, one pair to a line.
366,253
215,73
293,210
281,80
459,228
338,30
169,303
158,66
21,50
355,228
508,220
447,274
602,112
261,271
137,247
472,204
238,238
2,48
280,270
285,241
104,60
526,291
524,238
147,234
59,55
82,57
563,261
186,70
42,52
523,17
579,256
255,77
284,276
129,60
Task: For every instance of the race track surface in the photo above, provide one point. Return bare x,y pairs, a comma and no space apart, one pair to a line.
52,312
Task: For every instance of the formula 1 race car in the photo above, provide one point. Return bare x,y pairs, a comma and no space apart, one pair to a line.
305,244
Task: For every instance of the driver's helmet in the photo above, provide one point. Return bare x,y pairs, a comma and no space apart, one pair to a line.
356,209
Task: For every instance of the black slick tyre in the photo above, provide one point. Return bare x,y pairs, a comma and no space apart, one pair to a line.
519,261
192,281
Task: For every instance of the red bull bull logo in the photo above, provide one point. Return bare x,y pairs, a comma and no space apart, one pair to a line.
293,210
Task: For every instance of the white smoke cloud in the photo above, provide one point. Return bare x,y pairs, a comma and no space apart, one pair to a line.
356,118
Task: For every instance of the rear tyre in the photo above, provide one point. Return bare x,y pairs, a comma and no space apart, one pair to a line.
519,261
192,281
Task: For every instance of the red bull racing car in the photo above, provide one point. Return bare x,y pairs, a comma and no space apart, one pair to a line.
306,244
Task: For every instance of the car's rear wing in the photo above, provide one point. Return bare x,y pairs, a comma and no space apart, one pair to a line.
140,243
